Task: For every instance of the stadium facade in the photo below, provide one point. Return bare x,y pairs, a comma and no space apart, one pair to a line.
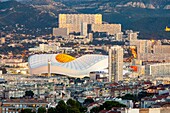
67,65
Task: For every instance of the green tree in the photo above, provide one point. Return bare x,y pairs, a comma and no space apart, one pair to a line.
61,107
109,104
88,101
144,94
27,111
73,110
72,106
72,103
51,110
95,110
41,110
29,93
130,97
82,109
75,106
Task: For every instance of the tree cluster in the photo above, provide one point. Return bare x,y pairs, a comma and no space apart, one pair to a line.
132,97
88,101
108,105
136,98
71,106
29,93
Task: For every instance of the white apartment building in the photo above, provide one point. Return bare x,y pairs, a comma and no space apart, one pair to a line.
158,69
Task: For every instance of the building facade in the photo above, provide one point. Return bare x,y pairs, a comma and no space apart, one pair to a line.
118,36
60,32
150,50
159,69
132,36
74,22
110,29
115,64
16,105
161,49
67,65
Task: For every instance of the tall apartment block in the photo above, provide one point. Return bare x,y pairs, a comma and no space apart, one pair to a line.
151,50
110,29
74,22
86,23
161,49
118,36
115,64
143,46
132,36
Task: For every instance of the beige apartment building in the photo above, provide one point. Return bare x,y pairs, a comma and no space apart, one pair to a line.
158,69
84,22
132,36
110,29
146,46
161,49
115,64
143,46
60,32
161,57
146,110
151,50
73,22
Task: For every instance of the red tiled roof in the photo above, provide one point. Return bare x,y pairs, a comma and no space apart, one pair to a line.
152,87
91,104
103,111
147,82
162,104
159,97
114,84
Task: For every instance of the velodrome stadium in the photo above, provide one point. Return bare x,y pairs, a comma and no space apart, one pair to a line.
67,65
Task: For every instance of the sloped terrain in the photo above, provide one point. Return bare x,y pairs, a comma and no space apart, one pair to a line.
150,17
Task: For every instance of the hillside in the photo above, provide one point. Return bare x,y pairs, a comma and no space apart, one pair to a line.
12,13
152,27
150,17
112,4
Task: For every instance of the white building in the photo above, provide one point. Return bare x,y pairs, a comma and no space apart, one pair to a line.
158,69
45,48
67,65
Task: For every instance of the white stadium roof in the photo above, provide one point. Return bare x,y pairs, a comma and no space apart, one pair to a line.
74,67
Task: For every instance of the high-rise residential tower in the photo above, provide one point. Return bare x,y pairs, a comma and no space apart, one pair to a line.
115,64
74,22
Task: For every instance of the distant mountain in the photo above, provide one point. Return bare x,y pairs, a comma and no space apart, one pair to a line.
31,13
151,27
105,4
12,12
150,17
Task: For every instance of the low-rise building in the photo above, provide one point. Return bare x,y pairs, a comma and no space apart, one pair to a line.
16,105
158,69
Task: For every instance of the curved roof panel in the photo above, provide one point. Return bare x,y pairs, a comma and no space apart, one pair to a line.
69,65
